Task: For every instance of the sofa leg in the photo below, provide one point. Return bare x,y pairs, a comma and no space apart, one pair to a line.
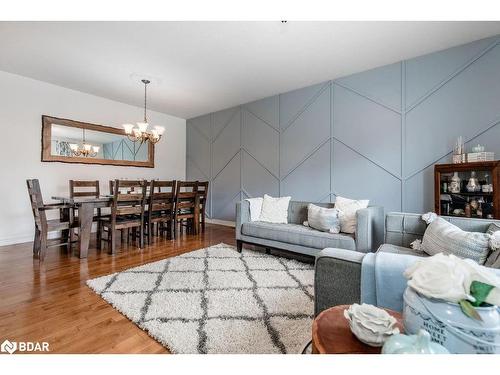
239,245
268,251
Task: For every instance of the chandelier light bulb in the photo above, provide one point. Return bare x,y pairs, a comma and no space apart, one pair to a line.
160,130
128,128
95,149
73,147
143,126
87,147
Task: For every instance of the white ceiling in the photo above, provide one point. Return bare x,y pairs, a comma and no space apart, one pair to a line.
201,67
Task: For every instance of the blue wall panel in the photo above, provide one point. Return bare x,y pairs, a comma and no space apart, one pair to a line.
374,135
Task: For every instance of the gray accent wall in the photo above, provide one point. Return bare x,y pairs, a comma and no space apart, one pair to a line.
372,135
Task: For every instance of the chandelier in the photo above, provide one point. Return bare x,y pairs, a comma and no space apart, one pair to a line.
85,149
139,132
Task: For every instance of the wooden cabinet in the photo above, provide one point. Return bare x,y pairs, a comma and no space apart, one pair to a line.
468,189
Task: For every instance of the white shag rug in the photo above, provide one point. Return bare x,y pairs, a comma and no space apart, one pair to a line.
216,300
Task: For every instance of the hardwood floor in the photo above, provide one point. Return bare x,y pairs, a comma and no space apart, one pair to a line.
50,302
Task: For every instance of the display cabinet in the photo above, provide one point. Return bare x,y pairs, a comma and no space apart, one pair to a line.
468,189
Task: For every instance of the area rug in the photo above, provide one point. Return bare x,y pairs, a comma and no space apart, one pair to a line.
216,300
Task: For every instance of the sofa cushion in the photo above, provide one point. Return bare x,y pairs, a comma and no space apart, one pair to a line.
394,249
298,235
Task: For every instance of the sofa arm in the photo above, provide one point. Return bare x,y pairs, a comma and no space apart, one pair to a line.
337,278
370,227
242,216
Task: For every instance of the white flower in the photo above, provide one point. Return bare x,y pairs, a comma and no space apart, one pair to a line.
370,324
448,277
438,277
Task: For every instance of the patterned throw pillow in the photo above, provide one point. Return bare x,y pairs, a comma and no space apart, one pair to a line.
323,219
494,257
442,236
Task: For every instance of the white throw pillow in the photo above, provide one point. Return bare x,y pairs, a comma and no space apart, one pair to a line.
275,210
323,219
255,208
348,208
442,236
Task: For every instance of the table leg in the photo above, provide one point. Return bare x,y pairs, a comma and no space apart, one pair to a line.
85,215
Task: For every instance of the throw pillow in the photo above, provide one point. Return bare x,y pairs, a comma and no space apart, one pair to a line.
255,208
275,210
494,257
323,219
442,236
348,209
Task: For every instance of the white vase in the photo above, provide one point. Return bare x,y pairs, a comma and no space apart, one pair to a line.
455,183
450,327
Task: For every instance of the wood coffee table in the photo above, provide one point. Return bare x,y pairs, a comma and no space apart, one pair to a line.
331,333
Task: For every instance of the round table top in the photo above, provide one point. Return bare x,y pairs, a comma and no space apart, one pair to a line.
331,333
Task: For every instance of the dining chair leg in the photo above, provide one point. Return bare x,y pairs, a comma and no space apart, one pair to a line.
43,246
98,234
150,232
112,241
141,237
172,229
37,243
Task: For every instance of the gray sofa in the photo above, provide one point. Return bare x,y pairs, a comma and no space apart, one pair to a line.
338,271
297,238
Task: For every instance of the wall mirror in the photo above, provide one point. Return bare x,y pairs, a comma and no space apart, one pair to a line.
71,141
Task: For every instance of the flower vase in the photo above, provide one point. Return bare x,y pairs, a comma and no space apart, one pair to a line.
450,327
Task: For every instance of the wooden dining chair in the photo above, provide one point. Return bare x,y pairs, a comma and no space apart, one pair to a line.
203,197
84,189
160,209
127,212
187,207
44,226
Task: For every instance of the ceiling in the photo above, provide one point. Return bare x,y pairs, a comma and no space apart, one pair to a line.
200,67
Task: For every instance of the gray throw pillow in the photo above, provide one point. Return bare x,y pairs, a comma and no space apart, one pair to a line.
494,257
323,219
442,236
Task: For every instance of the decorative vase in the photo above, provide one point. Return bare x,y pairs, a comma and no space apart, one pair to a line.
455,182
450,327
413,344
473,184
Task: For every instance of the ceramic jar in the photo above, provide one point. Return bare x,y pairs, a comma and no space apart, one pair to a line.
450,327
454,186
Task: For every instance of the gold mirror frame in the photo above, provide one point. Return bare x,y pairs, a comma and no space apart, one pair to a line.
47,122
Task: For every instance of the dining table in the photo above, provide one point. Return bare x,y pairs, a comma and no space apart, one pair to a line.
85,207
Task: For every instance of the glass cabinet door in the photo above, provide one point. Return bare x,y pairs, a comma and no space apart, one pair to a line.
467,194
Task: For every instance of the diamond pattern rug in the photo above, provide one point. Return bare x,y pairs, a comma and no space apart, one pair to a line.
216,300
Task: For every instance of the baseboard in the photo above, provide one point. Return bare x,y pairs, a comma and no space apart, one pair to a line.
24,239
29,237
221,222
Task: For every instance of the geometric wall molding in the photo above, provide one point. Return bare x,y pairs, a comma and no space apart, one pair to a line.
382,85
355,115
372,135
